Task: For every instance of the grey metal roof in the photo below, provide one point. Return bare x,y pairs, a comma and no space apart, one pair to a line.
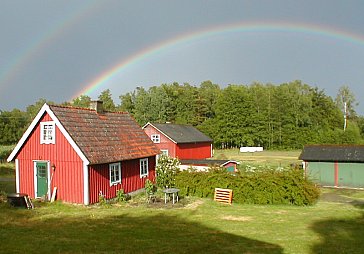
181,133
329,153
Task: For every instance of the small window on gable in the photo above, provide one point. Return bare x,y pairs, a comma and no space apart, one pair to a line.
115,173
156,138
143,167
47,133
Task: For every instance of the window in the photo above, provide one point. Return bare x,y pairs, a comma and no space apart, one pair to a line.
115,173
143,167
47,133
156,138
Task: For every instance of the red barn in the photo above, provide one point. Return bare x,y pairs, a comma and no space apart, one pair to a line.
83,153
180,141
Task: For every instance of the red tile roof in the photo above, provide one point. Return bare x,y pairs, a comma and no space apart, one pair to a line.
106,137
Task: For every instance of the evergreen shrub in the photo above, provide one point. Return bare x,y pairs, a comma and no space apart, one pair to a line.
286,186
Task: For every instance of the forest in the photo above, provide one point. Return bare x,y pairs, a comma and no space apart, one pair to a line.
285,116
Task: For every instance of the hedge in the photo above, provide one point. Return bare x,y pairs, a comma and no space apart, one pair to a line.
287,186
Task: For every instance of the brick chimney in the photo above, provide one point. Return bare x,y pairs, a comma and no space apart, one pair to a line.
97,106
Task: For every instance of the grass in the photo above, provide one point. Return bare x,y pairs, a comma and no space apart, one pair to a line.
263,159
192,226
200,226
7,177
7,170
7,186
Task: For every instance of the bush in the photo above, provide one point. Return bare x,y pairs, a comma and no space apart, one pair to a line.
3,197
149,187
121,196
102,199
288,186
166,169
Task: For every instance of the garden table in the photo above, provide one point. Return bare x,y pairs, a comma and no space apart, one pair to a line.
169,191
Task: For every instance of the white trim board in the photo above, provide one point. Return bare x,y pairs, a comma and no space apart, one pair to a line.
46,109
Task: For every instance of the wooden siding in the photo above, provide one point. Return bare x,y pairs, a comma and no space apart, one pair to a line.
131,174
351,175
165,143
199,150
322,173
130,179
68,173
336,174
231,166
194,151
99,180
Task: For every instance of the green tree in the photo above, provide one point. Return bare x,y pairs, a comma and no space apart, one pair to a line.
345,100
12,126
185,104
288,115
234,110
108,102
142,106
127,103
83,101
360,122
32,110
159,103
209,92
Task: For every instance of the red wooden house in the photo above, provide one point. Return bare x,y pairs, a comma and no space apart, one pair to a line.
83,153
180,141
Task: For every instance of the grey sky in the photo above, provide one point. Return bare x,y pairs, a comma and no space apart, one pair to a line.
55,49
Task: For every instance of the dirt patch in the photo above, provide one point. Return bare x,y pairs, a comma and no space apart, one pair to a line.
281,212
194,205
237,218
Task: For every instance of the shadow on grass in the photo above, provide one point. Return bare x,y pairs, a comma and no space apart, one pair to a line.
24,232
341,235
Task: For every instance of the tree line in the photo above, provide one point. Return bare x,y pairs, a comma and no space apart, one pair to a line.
285,116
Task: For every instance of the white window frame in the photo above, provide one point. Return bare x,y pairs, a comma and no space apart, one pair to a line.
50,137
143,165
156,138
115,167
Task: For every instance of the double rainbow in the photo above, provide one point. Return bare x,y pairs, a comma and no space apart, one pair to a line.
242,28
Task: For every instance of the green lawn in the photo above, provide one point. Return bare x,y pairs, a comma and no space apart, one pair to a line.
7,170
264,158
7,177
199,226
192,226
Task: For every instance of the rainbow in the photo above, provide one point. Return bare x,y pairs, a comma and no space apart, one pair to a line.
311,29
46,38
